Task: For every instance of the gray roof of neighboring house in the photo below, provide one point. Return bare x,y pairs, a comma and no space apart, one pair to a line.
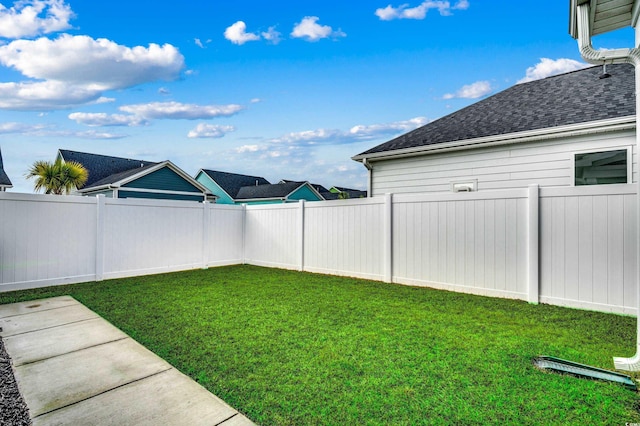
353,193
231,183
4,179
278,190
571,98
104,169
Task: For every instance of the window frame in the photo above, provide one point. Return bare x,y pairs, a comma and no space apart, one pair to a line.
629,150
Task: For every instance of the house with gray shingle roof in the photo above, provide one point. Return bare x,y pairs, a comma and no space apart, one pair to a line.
128,178
234,188
571,129
5,182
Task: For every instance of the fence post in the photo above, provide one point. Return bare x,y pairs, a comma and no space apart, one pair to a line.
100,218
205,234
387,239
533,246
244,234
301,235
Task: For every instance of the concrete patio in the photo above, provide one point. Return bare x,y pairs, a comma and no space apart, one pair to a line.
73,367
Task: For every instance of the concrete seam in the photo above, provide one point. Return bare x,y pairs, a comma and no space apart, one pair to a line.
103,392
48,328
227,419
70,352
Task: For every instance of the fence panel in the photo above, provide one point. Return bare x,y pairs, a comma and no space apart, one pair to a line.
345,238
272,235
224,235
588,247
149,236
469,242
46,240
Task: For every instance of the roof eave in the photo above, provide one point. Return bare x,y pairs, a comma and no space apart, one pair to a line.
591,127
620,20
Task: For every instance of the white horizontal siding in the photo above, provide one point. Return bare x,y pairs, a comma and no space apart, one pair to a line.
547,164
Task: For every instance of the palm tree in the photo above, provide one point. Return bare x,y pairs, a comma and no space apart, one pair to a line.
58,177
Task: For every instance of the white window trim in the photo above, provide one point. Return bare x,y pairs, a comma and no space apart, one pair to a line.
629,149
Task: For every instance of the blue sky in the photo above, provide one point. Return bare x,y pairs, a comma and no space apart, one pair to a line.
284,90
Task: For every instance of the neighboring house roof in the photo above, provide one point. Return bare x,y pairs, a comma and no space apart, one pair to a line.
562,100
106,171
103,169
353,193
4,179
270,191
231,183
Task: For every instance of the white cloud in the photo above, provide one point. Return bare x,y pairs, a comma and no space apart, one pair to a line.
13,127
45,95
34,17
198,43
163,91
102,119
177,110
74,70
250,148
41,130
419,12
96,64
310,30
357,133
548,67
255,100
237,34
471,91
203,130
272,36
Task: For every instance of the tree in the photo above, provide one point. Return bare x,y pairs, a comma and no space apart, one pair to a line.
58,177
342,195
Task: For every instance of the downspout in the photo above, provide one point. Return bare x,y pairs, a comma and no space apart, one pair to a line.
617,56
369,176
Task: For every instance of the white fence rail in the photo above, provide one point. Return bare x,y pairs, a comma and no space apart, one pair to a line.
571,246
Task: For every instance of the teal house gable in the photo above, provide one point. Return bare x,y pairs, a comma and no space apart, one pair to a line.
116,177
164,179
304,192
234,188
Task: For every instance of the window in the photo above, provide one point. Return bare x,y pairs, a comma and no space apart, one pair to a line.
603,167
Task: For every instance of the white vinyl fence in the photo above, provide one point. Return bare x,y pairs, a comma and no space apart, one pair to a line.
49,240
570,246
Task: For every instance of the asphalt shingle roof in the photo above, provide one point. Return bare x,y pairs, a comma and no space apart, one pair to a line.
571,98
232,182
278,190
104,169
4,179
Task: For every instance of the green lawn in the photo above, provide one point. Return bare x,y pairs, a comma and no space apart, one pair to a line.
290,348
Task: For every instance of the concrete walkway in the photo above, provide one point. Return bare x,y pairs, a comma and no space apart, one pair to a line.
74,368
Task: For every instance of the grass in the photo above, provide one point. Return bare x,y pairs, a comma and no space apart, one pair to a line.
290,348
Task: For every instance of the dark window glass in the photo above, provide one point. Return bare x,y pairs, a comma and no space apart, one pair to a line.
599,168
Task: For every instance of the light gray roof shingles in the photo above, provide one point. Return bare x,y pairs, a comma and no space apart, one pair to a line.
571,98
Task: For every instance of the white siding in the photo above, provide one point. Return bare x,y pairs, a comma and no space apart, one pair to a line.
547,163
